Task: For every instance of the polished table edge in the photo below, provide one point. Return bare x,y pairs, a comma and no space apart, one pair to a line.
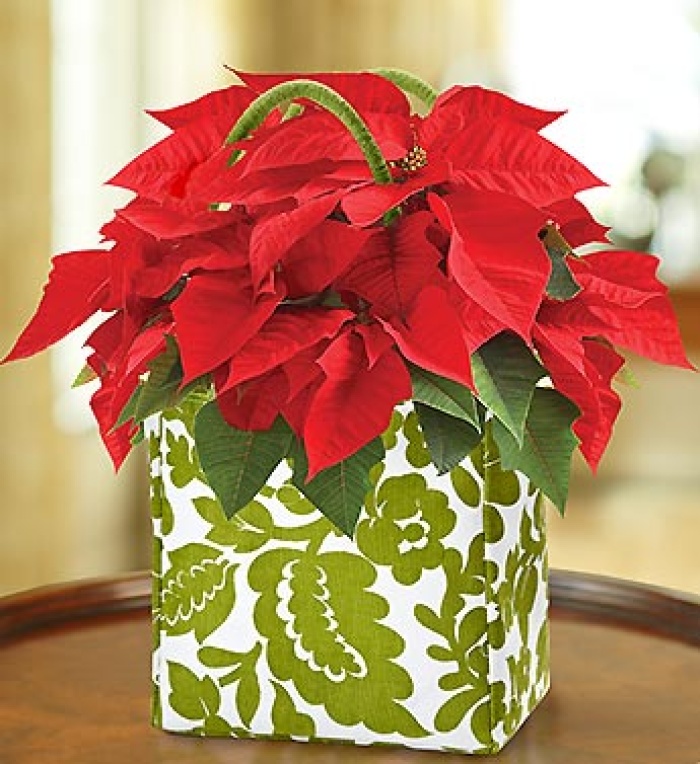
573,596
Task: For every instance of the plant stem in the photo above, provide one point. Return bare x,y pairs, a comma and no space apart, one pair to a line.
324,96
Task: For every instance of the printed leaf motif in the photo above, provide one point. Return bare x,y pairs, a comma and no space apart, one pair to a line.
244,672
190,696
449,439
463,638
182,459
247,531
162,508
237,463
325,635
506,372
453,711
466,486
286,720
417,454
248,698
209,510
197,592
548,442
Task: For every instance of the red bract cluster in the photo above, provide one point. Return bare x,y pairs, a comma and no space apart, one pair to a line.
299,286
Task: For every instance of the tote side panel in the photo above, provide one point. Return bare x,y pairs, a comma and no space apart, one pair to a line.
273,624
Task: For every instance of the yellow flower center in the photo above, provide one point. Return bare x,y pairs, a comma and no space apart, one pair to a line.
416,158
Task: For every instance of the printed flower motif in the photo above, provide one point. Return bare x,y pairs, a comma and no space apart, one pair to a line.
405,526
304,261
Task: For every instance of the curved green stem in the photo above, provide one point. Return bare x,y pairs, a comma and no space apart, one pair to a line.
324,96
410,84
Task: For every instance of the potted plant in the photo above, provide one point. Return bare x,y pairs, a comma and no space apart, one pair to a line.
362,342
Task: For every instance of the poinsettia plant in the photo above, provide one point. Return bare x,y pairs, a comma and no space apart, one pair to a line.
307,252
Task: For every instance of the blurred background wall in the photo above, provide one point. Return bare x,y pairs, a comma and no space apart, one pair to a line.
75,78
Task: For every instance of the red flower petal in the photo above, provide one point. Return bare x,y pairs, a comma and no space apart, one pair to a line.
353,405
576,224
205,343
583,371
495,255
394,266
366,204
76,289
228,102
255,404
631,306
271,238
280,338
457,107
498,155
146,346
431,336
315,261
163,170
117,441
167,223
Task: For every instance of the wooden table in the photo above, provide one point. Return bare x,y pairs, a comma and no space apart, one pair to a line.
74,683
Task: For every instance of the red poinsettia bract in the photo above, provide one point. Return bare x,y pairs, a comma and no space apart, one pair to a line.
297,283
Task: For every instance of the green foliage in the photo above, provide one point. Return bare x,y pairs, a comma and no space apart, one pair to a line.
339,491
544,454
237,463
561,284
160,390
444,395
506,374
449,439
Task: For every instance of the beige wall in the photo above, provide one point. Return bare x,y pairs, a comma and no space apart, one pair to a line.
57,491
424,37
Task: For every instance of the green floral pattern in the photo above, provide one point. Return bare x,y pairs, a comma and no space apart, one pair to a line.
429,630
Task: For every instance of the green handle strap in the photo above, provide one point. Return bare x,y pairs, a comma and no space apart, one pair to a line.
324,96
409,83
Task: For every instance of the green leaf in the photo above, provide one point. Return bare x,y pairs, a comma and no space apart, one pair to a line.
159,391
237,463
506,373
444,395
339,491
161,388
545,454
561,284
449,439
86,375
